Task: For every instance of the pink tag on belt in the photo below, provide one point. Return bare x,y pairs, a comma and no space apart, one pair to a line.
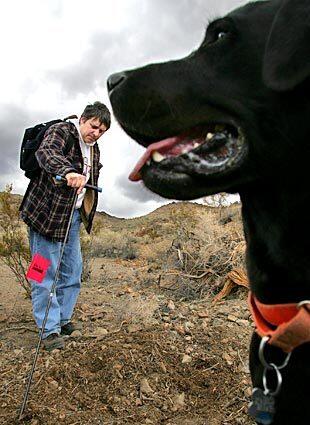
38,268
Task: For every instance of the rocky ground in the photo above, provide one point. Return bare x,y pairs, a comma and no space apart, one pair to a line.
155,348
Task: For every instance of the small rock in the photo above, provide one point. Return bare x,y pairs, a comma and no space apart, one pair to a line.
180,329
100,332
242,322
138,402
128,290
232,318
148,421
203,314
163,367
248,392
228,359
187,327
53,384
134,328
171,305
178,402
145,387
76,334
205,324
117,366
186,359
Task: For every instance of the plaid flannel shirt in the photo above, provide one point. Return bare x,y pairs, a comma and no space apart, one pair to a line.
46,205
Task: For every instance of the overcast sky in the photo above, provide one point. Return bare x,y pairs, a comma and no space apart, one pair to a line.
56,57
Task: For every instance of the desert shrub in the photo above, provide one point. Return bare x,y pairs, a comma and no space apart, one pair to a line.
114,244
149,231
201,256
14,249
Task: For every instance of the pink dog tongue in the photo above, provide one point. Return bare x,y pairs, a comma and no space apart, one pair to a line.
164,147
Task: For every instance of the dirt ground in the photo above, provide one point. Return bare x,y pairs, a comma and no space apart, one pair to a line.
151,351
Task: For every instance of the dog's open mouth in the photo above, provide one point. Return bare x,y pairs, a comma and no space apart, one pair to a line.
202,151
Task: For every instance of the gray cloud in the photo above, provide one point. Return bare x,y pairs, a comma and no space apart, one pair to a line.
160,31
13,121
92,69
125,207
135,190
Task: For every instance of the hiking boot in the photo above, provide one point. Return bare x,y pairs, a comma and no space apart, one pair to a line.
69,328
53,342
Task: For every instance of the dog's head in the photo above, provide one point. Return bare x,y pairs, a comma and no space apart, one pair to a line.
231,112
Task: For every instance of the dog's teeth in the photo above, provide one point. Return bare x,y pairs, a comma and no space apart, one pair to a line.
157,157
209,136
196,144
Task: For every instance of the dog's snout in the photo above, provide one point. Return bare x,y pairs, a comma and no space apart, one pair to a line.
115,79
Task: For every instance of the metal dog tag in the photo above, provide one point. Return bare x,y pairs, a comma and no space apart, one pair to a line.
262,407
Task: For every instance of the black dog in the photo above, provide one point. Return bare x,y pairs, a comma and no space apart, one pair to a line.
234,116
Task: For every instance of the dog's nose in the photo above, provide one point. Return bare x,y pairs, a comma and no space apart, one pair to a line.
115,79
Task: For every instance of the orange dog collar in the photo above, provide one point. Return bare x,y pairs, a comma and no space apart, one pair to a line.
287,325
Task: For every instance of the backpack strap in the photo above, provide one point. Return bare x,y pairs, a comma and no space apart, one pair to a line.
70,140
71,117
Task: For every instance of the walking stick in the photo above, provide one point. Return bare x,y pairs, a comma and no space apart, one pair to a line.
27,390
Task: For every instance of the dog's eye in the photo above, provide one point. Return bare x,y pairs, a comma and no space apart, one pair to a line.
217,31
221,34
214,36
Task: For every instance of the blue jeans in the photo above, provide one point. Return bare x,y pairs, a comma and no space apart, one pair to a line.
69,281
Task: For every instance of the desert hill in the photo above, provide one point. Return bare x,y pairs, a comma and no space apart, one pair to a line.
155,346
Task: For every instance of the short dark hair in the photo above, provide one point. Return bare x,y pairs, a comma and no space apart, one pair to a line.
98,110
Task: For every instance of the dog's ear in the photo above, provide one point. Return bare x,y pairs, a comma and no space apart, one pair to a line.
287,55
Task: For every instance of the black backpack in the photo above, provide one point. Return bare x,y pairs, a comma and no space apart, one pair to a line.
32,139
